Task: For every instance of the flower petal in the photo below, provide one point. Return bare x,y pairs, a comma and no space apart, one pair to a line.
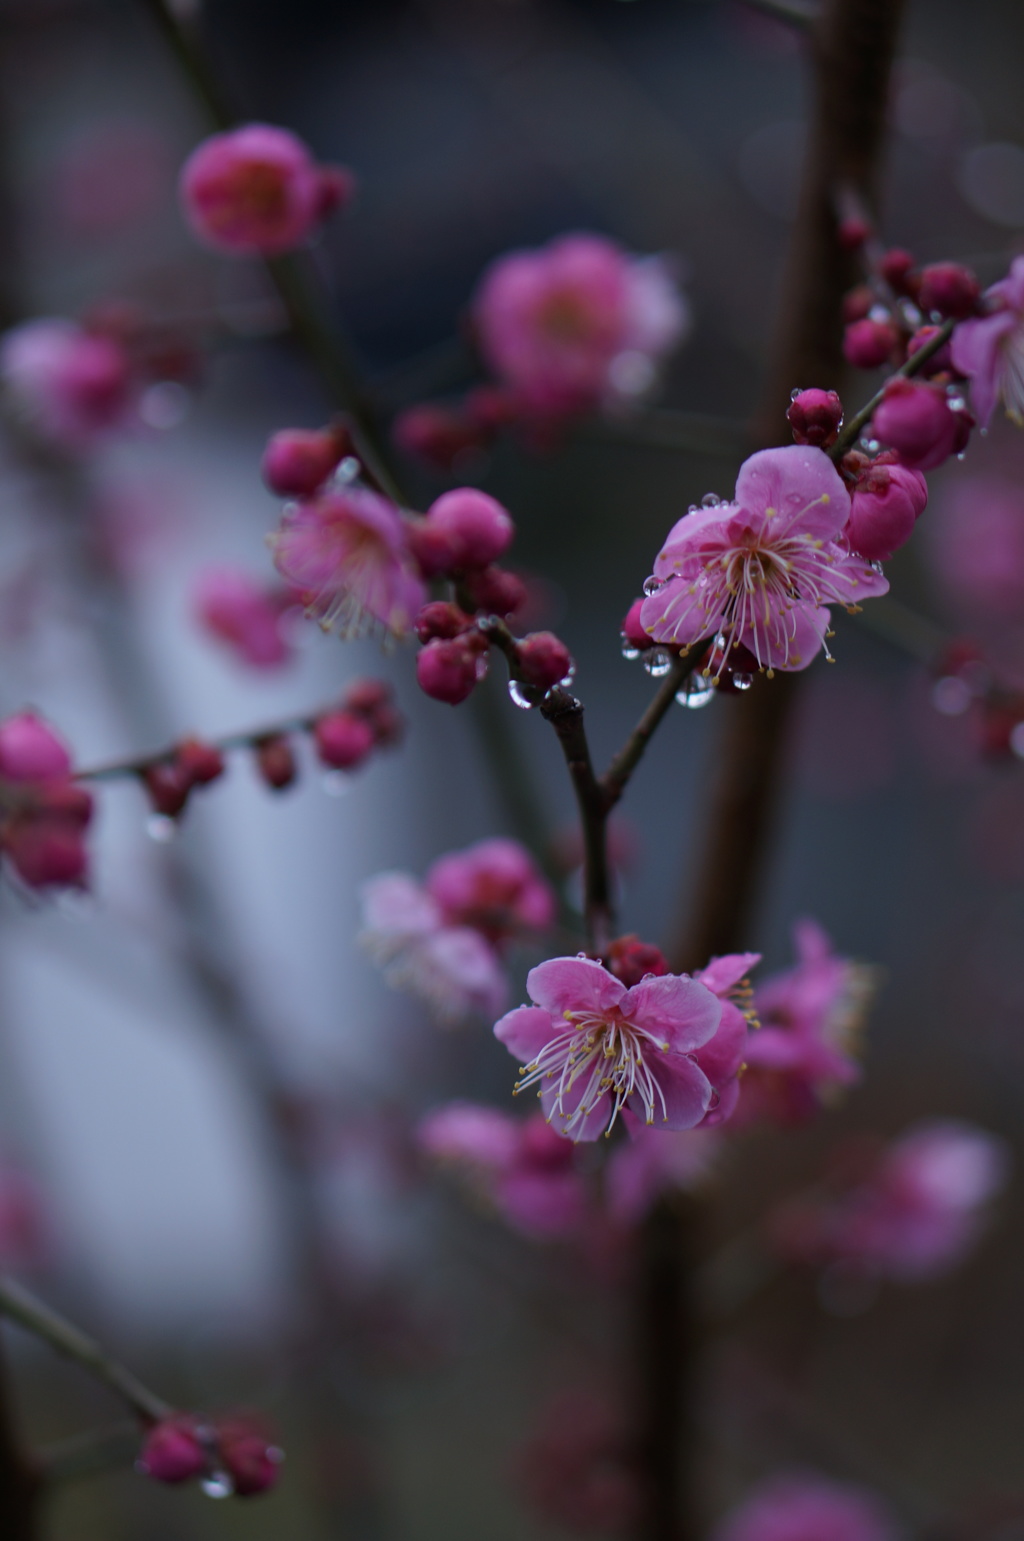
725,973
682,611
673,1008
591,1127
685,1087
801,484
574,984
524,1031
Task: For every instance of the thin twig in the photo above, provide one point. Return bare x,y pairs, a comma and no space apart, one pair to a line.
248,738
629,756
565,715
89,1454
18,1305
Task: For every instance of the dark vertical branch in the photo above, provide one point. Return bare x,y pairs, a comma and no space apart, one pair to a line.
19,1484
852,51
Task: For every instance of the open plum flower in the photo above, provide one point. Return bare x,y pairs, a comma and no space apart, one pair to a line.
798,1506
593,1048
989,349
760,571
347,553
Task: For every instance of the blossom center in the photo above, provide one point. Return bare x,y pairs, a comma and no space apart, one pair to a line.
605,1057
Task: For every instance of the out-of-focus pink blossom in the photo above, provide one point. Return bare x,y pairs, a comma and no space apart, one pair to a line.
989,350
475,526
45,815
888,499
494,886
175,1451
526,1170
651,1163
579,1468
342,740
977,546
815,416
576,323
916,1214
544,661
30,750
723,1058
918,421
258,190
454,969
348,555
24,1240
69,385
275,761
450,670
248,1456
762,569
868,344
244,613
949,290
803,1507
297,461
809,1017
593,1048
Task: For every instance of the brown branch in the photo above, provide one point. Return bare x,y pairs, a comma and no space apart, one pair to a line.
249,738
629,756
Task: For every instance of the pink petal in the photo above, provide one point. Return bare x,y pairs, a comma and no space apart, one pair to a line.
682,612
801,483
673,1008
574,984
790,640
976,348
589,1128
724,974
686,1089
721,1057
524,1031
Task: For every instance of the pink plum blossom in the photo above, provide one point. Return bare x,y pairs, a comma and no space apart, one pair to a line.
24,1239
71,386
761,569
803,1507
593,1048
245,614
454,969
887,501
30,750
809,1017
722,1059
258,190
347,553
576,322
989,349
917,1212
522,1167
494,886
977,546
650,1163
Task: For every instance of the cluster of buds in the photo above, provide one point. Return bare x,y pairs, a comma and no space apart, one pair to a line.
231,1456
44,814
366,719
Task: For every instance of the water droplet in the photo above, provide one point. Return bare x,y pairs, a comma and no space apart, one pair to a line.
217,1485
710,500
568,678
161,828
951,696
348,470
335,783
797,390
693,509
962,455
1017,740
628,651
652,585
876,567
742,681
956,403
657,662
697,692
520,695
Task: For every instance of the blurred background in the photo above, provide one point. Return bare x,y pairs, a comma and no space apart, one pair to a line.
130,1092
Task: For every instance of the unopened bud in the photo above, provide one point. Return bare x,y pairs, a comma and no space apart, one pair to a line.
30,750
168,788
853,233
450,670
174,1451
374,701
815,417
479,528
630,959
868,344
252,1463
275,761
495,591
544,660
436,434
633,633
342,740
47,852
297,461
441,619
858,302
948,289
200,763
895,267
916,420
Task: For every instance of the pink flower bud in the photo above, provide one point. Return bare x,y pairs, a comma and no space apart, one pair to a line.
495,591
544,660
441,619
254,190
47,852
629,959
297,461
373,701
252,1463
342,740
815,417
916,420
479,528
868,344
168,787
436,434
433,549
949,289
449,671
885,506
633,633
853,233
275,761
173,1451
65,800
31,751
895,268
197,762
858,302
